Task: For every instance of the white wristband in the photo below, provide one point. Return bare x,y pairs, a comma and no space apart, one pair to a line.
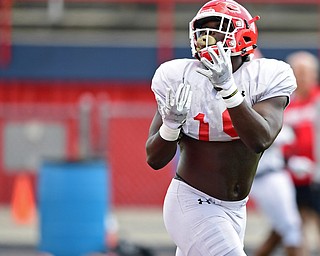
232,97
168,133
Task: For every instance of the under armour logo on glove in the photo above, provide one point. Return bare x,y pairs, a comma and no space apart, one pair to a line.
208,201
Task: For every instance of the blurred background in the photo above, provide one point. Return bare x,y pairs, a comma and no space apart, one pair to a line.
75,101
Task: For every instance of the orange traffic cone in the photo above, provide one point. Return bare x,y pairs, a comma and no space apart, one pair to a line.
23,204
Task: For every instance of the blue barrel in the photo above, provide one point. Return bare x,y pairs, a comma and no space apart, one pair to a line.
73,201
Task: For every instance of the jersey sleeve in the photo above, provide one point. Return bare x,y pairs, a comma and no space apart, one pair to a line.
159,84
277,79
168,76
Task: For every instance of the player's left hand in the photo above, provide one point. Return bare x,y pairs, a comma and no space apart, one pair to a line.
219,71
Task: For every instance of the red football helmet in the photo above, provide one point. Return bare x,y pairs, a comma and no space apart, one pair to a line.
236,24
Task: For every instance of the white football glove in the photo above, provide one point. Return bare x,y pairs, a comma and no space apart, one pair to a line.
219,73
174,111
301,166
176,106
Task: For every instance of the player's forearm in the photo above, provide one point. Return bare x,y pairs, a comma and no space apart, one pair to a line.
159,151
253,129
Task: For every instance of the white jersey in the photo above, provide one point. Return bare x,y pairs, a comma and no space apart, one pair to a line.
208,118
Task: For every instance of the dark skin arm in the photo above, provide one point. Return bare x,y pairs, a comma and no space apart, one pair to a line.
258,126
159,151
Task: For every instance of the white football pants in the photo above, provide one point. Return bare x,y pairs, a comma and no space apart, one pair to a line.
274,194
201,225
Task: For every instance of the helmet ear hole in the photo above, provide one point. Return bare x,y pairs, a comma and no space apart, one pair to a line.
247,39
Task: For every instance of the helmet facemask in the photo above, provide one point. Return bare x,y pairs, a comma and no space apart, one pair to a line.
202,38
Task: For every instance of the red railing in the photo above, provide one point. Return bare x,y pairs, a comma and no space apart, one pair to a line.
165,18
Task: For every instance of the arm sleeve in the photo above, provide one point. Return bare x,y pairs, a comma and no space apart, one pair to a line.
278,81
168,75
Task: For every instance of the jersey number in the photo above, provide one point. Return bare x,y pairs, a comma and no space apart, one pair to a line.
204,126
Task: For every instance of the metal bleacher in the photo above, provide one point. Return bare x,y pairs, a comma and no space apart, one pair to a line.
126,23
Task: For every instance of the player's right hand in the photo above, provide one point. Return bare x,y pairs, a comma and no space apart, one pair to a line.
176,106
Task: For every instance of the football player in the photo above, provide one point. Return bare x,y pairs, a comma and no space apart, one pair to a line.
301,155
223,109
274,194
